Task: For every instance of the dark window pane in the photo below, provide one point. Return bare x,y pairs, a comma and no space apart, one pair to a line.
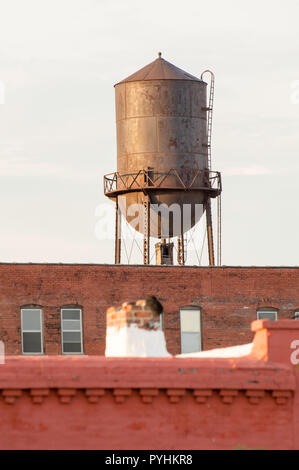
72,314
71,347
32,343
267,316
72,337
31,319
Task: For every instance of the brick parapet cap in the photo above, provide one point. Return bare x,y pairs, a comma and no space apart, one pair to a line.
275,325
98,372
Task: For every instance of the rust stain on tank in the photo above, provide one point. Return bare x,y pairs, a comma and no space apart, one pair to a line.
173,143
148,96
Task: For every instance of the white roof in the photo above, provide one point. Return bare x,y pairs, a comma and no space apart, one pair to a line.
232,351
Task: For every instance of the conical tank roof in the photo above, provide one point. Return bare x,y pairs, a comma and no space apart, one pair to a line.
160,69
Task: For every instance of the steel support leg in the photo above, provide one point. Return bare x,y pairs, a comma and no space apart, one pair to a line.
219,230
210,233
181,246
117,233
146,220
181,250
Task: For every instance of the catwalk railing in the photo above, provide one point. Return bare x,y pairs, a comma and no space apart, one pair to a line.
177,179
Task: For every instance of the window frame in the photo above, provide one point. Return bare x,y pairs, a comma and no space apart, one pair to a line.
161,322
198,309
266,310
62,331
41,331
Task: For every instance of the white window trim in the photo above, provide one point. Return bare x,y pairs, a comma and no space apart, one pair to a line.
41,331
200,328
266,311
76,331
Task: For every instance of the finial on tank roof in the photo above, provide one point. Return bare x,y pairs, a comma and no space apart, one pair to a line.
159,55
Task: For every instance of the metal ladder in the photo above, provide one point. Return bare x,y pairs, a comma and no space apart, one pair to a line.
209,139
210,115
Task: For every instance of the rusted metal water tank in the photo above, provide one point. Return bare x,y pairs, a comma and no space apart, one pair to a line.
161,120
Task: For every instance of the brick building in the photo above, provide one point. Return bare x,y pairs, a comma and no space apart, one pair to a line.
60,308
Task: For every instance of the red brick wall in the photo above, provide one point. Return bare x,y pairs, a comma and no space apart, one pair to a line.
228,298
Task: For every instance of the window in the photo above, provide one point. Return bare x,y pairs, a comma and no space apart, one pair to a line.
267,313
71,330
190,329
31,327
161,327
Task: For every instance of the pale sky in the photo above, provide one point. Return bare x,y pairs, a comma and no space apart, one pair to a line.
59,60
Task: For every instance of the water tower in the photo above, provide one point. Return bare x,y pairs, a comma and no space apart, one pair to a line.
164,183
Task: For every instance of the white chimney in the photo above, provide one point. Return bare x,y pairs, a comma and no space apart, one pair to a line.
133,330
